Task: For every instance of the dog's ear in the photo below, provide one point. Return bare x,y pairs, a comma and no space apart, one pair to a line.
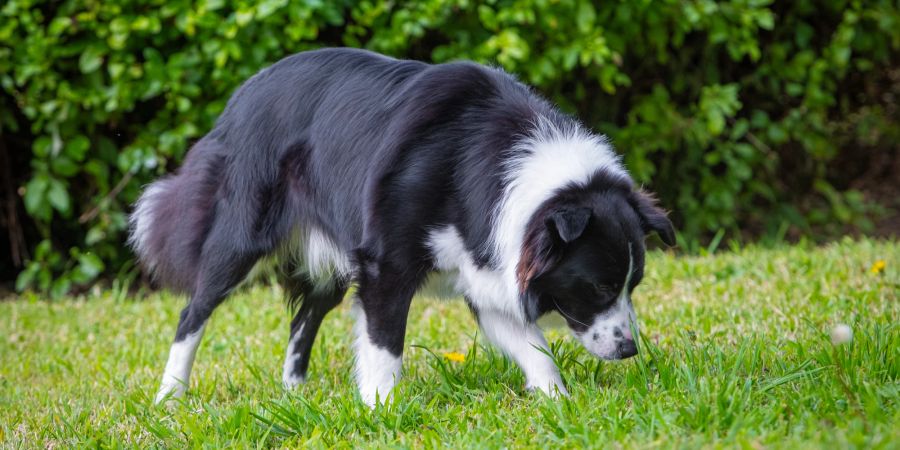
569,223
541,248
653,218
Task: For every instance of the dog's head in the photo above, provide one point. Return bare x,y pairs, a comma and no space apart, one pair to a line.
583,255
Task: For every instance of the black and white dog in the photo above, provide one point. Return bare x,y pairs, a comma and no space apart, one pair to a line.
363,169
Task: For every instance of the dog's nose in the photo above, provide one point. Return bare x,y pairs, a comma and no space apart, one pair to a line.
626,348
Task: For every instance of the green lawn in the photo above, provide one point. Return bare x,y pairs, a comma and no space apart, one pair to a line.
736,353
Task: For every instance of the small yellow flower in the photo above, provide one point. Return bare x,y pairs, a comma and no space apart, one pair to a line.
878,266
455,356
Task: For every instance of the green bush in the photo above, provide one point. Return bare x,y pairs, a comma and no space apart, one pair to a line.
743,115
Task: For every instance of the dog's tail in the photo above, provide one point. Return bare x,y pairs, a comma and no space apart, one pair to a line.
173,216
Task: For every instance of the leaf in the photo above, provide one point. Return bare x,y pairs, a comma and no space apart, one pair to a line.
90,264
64,166
268,7
26,277
42,146
94,235
777,134
60,287
77,147
90,60
58,196
715,123
766,20
739,129
35,191
586,16
43,250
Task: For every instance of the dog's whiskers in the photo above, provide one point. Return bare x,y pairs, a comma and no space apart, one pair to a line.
566,315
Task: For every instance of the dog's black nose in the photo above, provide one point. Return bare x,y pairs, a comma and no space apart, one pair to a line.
626,348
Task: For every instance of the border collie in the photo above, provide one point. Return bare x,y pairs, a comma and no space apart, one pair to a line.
362,169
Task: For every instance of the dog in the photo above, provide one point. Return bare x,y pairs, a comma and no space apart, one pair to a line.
357,168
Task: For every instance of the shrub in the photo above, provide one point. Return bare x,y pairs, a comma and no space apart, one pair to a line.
744,115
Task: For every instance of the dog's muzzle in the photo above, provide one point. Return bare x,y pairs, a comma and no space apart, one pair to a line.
610,336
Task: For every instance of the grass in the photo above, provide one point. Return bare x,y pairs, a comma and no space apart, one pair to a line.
735,353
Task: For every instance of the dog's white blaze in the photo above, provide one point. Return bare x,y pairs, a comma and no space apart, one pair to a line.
484,287
178,368
524,344
377,370
621,316
550,159
288,377
141,221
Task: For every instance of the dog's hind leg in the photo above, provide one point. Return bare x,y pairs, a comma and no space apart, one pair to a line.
312,300
222,266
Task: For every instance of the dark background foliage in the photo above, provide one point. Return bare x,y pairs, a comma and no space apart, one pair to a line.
750,118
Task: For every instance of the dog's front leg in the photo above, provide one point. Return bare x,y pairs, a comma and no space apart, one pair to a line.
381,310
524,343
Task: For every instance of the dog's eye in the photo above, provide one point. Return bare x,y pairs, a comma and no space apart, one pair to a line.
605,291
613,288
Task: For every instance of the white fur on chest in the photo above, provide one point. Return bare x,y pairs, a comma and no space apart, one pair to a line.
485,287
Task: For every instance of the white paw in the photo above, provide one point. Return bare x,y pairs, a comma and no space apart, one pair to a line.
170,389
373,397
291,381
553,388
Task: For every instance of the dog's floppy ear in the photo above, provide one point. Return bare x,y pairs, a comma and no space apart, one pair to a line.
569,223
653,218
543,242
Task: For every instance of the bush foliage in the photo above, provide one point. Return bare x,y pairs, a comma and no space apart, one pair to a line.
743,115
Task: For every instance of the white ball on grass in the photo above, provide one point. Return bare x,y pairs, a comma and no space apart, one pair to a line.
841,334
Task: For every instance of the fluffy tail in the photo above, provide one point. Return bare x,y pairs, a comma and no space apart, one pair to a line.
173,216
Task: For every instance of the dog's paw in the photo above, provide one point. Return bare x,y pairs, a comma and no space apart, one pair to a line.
291,381
170,391
553,389
373,398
